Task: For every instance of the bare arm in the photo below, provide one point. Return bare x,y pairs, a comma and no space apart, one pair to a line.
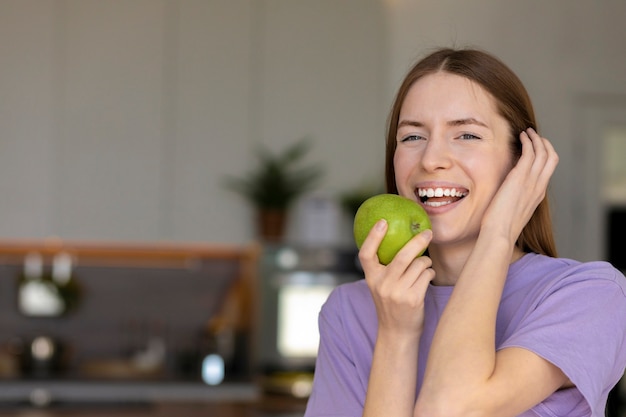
398,290
464,374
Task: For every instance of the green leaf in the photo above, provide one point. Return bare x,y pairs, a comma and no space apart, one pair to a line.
279,178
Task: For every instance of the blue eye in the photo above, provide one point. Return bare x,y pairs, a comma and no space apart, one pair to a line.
411,138
468,136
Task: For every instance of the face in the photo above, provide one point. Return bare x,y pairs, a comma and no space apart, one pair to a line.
452,153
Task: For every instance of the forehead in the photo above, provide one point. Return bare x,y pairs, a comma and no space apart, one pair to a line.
447,95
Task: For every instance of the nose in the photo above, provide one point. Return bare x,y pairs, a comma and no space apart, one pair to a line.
436,154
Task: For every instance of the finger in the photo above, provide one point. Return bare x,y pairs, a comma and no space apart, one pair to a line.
421,271
553,156
539,155
369,248
411,250
546,158
542,146
528,153
423,280
410,286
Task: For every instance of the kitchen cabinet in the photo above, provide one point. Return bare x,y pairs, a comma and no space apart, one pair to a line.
132,294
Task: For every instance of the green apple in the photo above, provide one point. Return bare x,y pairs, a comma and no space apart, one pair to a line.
405,219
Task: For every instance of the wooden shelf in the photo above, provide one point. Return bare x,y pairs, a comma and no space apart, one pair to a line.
112,253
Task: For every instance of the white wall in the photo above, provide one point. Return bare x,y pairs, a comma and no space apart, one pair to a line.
27,124
119,118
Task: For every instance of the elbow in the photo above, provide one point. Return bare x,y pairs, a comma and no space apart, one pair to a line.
431,409
446,407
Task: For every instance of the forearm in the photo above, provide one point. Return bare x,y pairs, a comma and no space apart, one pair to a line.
462,356
393,377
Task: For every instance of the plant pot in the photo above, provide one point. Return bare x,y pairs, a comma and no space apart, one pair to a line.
271,224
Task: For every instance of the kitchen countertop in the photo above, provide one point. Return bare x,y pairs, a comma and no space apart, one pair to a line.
265,406
163,410
55,398
71,391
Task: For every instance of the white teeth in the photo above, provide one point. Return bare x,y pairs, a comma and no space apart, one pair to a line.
439,192
437,203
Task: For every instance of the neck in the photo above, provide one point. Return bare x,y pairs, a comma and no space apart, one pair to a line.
448,262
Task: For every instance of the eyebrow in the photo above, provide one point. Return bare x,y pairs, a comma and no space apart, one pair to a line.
456,122
467,121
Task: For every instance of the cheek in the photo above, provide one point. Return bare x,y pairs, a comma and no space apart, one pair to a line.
505,167
403,167
496,173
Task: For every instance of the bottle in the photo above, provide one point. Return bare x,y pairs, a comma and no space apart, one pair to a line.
64,279
212,367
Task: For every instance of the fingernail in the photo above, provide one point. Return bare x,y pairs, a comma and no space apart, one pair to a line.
381,224
427,233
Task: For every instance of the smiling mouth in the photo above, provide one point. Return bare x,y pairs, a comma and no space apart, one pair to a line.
437,197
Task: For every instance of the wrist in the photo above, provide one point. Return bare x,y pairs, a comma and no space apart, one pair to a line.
398,339
497,239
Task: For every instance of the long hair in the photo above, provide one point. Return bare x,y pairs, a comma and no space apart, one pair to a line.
512,103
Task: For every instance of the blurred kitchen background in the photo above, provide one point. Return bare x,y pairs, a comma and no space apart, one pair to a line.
120,119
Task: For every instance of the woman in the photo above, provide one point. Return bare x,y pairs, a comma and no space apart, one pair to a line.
490,322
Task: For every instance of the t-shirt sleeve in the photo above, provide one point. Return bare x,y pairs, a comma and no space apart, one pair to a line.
334,386
580,326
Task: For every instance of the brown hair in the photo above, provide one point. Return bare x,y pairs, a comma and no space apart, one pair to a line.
512,102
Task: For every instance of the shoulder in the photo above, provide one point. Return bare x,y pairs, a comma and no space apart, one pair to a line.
548,301
350,306
351,290
551,274
348,298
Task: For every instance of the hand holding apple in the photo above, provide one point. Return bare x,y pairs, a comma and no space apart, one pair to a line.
405,219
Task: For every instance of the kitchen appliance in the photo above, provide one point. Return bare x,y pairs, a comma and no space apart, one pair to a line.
295,282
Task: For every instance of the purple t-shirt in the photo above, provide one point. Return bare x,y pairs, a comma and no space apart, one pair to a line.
572,314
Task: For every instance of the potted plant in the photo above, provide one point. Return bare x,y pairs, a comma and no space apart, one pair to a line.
277,181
